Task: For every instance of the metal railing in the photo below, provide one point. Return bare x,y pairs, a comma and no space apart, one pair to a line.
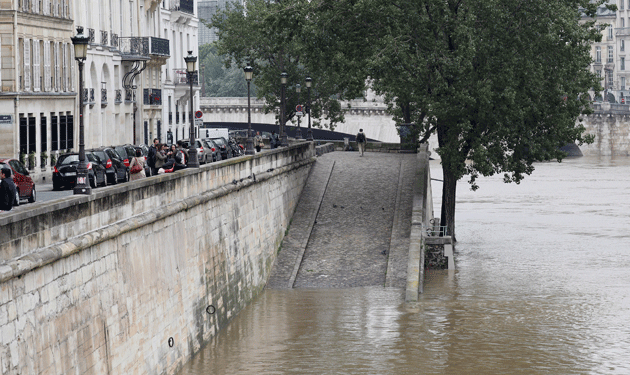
104,96
104,38
437,231
153,96
91,35
143,46
180,77
130,96
115,40
186,6
118,98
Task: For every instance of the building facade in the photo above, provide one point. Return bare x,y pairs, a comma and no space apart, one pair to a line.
207,9
130,89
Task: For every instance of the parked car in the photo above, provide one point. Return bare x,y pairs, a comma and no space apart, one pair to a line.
225,149
65,171
200,151
216,153
23,183
114,165
126,152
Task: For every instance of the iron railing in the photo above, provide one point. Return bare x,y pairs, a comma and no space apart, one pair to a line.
186,6
153,96
114,40
180,77
104,38
91,35
130,95
118,98
104,96
143,46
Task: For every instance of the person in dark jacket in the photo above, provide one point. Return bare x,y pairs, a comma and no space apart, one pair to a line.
151,159
7,190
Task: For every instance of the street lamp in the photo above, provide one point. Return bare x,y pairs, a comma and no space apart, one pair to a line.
80,42
283,134
193,162
309,132
298,133
249,73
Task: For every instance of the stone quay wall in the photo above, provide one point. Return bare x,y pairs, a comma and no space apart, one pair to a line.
136,278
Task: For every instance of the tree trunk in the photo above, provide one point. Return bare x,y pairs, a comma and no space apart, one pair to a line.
448,202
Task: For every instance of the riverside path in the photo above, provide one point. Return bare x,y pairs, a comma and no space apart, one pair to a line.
352,224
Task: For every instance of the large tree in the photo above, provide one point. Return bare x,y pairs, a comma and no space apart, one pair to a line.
501,83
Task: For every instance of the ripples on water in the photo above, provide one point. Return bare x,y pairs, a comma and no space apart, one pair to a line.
542,287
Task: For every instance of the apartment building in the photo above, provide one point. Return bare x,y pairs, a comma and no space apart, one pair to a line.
130,87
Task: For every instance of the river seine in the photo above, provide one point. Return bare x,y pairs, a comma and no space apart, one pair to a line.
542,286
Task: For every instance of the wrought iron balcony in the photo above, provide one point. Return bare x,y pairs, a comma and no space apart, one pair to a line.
130,96
103,97
114,40
118,98
104,38
91,35
186,6
142,48
180,77
152,97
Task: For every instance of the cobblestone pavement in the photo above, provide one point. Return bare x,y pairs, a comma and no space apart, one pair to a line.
362,223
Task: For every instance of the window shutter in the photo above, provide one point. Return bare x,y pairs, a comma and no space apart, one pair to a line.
36,71
27,64
47,83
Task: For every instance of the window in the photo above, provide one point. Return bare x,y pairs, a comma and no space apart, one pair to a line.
623,64
622,46
623,22
610,81
610,33
623,83
599,74
610,54
598,54
621,2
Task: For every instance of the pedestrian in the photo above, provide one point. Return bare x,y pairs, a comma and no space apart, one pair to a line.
160,156
273,141
180,156
361,141
138,162
151,157
7,190
258,142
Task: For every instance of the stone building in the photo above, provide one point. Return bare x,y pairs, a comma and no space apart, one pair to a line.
131,78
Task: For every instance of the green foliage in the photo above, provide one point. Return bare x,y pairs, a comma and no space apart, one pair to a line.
219,80
274,37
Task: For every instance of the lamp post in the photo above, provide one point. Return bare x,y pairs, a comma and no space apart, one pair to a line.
309,132
249,150
80,42
193,162
283,134
298,133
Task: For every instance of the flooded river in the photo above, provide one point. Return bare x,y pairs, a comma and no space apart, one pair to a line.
542,286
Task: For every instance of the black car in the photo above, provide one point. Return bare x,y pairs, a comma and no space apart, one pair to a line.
65,171
213,147
226,150
114,165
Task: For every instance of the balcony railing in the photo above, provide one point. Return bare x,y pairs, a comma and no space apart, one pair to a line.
118,98
130,96
153,96
114,40
186,6
143,46
103,97
621,31
180,77
104,38
91,35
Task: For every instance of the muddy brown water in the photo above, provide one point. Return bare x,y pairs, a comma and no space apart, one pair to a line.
542,286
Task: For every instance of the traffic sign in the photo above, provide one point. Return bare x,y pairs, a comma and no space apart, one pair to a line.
198,122
198,114
298,108
299,113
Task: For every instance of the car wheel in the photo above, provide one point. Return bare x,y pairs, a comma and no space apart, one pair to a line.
127,176
104,179
114,180
17,197
33,196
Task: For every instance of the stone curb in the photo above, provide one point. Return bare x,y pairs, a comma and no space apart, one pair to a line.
26,263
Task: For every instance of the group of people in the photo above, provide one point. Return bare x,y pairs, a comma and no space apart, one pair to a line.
164,159
259,143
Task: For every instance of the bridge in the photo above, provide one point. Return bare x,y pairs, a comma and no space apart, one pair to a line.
609,124
158,266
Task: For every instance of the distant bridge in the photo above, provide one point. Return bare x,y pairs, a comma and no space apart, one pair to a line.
610,123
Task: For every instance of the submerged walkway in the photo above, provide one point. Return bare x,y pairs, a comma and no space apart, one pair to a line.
352,224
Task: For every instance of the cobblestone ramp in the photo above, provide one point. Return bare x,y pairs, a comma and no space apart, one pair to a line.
351,227
294,243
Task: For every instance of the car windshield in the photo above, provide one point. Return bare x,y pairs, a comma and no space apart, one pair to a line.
92,157
219,141
68,159
101,155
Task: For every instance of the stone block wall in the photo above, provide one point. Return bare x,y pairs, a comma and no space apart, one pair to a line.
136,278
611,131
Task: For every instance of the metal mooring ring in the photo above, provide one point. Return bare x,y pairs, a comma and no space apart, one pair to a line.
171,342
210,309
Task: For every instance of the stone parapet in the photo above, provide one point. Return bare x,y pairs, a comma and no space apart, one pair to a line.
138,277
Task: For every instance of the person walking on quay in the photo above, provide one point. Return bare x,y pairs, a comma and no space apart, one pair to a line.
151,157
361,141
7,190
137,162
258,141
273,141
